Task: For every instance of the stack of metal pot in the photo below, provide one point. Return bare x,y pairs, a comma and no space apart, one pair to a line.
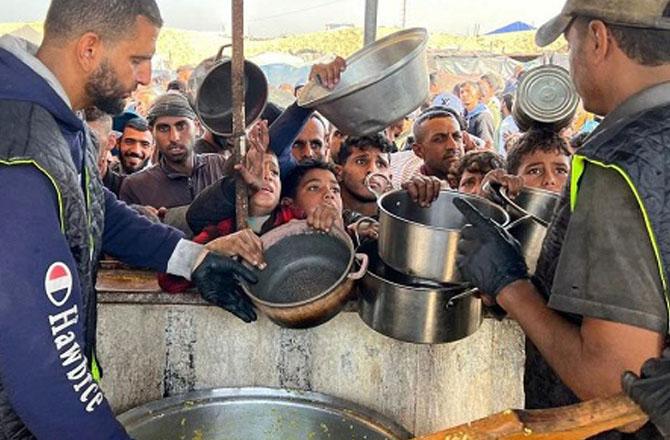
412,290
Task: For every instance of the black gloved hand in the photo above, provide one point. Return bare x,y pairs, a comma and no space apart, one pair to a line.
488,256
216,278
652,390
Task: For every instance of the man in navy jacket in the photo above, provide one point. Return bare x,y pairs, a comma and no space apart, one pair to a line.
56,217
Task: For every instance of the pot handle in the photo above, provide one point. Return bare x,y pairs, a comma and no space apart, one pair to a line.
493,189
467,293
500,192
363,261
519,220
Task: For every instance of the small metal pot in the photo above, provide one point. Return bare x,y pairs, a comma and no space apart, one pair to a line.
545,97
422,242
415,313
384,82
531,211
309,275
530,233
214,99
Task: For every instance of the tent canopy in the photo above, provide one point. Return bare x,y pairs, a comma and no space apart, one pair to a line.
517,26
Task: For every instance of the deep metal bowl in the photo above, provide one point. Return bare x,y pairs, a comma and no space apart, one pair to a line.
384,82
422,242
257,413
214,100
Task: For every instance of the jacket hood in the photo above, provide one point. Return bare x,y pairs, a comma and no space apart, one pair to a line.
24,78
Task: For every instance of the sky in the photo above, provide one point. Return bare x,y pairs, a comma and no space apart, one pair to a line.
271,18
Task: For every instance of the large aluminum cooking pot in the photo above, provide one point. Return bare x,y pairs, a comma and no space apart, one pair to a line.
427,313
422,242
545,97
257,413
214,97
309,275
383,82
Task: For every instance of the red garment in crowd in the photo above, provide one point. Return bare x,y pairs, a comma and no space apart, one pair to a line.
174,284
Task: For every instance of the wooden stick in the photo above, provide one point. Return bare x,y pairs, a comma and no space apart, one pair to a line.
237,86
573,422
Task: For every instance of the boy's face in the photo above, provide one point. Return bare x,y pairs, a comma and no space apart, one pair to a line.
361,163
318,187
471,183
263,202
545,170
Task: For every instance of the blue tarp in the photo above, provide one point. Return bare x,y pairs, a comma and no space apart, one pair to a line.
517,26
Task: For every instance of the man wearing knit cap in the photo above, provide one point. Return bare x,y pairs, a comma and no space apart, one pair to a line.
180,174
597,305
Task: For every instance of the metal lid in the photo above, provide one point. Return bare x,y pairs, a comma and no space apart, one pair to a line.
546,95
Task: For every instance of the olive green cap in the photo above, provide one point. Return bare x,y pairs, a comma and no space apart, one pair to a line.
644,14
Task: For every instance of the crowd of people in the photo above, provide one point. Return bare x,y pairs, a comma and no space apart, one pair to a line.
148,184
161,161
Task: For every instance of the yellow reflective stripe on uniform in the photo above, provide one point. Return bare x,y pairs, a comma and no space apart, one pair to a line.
95,370
578,170
91,246
61,210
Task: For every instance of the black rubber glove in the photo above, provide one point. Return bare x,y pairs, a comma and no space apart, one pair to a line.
488,256
216,278
652,390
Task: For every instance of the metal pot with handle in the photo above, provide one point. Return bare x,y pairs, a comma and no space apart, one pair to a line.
422,242
214,97
415,310
309,275
531,210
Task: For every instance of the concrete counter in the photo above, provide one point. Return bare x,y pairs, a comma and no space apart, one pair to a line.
154,345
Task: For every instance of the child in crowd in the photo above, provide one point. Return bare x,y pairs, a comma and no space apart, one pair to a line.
311,192
473,167
542,159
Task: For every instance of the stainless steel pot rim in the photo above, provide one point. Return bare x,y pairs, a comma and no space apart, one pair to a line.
405,34
157,408
368,248
422,290
513,204
335,285
504,213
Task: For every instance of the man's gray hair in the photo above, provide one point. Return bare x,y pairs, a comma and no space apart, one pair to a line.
113,20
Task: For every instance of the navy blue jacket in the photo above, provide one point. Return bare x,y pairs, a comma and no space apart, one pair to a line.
38,334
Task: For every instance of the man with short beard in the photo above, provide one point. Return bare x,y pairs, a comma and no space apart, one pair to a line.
180,174
57,218
136,146
438,140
